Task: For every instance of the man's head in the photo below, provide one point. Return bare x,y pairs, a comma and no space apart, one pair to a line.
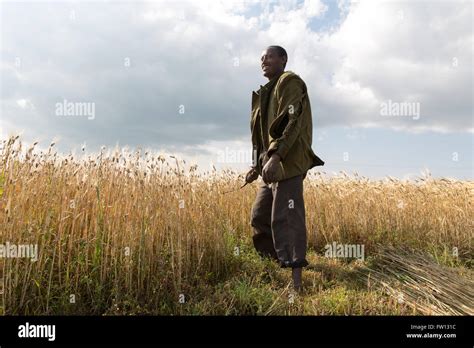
273,61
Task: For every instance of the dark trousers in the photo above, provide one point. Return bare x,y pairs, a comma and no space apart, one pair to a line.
278,220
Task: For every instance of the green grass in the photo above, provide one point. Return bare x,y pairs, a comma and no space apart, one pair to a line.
252,286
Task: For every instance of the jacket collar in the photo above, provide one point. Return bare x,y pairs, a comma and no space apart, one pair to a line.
269,85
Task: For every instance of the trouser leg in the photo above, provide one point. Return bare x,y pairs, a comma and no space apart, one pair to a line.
288,222
261,222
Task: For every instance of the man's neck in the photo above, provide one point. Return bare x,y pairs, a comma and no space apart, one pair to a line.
275,76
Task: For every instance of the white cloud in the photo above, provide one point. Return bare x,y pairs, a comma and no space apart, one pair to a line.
25,104
404,51
184,53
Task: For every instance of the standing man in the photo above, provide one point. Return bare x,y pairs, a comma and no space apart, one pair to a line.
281,127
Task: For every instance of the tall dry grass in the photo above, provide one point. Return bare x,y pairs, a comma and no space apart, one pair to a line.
419,281
424,213
121,228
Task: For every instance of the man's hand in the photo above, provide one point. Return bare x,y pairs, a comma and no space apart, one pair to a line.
270,169
251,176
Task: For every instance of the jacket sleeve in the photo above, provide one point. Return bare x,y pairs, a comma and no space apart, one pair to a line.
290,102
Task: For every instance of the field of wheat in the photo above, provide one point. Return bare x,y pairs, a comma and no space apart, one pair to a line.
133,232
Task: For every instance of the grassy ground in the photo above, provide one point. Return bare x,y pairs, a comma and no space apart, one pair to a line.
134,233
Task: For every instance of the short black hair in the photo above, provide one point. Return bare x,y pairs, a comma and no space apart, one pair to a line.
280,51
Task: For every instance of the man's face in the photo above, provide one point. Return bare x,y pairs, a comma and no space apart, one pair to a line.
272,63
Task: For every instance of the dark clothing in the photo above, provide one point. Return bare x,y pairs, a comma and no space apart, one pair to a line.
281,123
278,219
288,131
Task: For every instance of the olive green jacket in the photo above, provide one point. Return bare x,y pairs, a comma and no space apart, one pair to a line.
290,133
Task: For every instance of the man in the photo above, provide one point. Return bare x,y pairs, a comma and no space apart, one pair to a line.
281,127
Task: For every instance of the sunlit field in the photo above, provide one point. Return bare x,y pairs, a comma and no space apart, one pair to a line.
132,232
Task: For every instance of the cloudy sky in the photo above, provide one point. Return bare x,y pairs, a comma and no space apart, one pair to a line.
390,82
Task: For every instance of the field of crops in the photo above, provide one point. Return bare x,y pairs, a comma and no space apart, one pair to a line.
140,233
